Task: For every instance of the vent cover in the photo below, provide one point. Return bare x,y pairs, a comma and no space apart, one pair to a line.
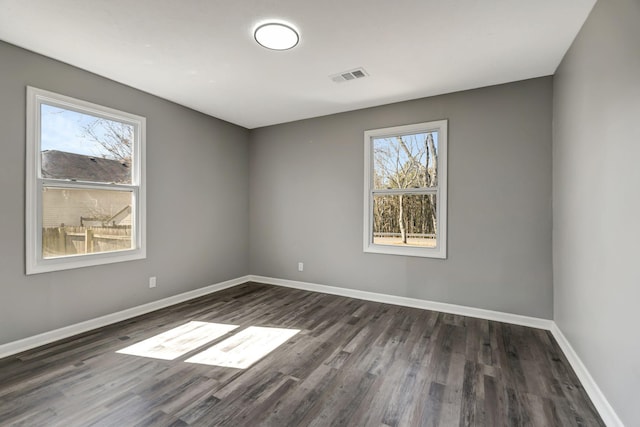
345,76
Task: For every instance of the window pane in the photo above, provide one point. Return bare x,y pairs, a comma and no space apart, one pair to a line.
405,220
83,147
407,161
78,221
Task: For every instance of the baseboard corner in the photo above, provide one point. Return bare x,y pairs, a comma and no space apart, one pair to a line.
604,408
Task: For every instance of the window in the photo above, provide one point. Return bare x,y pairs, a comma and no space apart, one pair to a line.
405,200
85,194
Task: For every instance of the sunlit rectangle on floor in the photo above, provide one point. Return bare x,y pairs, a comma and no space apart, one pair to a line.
178,341
244,348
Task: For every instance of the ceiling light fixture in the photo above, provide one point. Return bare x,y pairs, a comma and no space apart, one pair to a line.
276,36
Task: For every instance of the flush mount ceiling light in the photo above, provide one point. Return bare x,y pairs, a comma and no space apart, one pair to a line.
276,36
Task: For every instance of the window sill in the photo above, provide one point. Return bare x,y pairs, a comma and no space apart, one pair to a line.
438,253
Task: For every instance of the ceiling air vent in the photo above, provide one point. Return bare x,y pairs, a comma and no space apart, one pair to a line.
357,73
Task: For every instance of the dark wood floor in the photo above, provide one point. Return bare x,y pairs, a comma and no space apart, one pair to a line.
354,363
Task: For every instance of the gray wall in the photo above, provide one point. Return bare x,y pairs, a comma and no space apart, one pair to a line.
306,195
197,203
596,200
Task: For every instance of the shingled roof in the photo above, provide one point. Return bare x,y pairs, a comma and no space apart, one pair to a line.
63,165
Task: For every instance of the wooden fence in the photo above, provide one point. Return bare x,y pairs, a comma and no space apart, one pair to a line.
413,239
61,241
409,235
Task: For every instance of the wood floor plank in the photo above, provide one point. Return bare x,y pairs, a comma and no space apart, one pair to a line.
353,362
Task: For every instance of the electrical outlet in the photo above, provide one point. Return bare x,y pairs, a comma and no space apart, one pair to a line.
152,281
300,266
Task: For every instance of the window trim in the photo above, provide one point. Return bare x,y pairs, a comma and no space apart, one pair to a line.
35,262
440,251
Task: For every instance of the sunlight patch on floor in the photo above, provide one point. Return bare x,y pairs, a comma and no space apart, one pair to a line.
244,348
178,341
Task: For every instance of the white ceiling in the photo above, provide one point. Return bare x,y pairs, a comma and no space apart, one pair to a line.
201,53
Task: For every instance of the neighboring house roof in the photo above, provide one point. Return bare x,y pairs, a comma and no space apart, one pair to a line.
63,165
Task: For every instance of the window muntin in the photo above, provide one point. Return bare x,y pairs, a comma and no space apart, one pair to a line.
405,190
85,183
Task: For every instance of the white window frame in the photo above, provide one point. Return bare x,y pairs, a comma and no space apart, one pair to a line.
35,262
440,251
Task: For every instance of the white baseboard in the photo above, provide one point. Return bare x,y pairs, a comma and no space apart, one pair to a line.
601,403
515,319
78,328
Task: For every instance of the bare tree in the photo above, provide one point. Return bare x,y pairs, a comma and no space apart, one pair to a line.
116,138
